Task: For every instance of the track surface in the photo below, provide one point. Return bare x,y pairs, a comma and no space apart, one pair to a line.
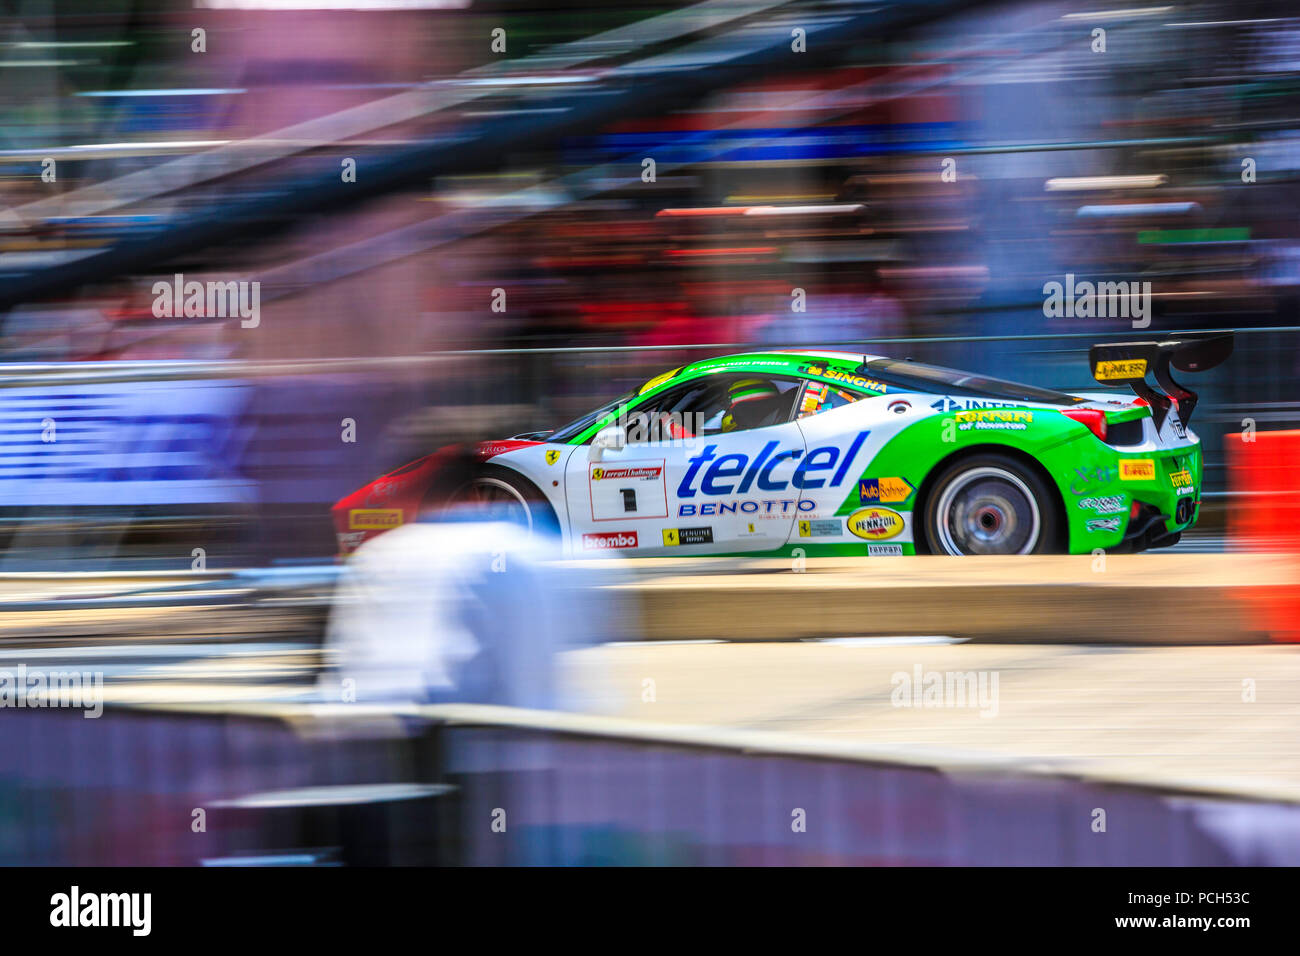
1169,714
1222,715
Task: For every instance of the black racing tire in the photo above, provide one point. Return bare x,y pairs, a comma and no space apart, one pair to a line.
992,503
523,500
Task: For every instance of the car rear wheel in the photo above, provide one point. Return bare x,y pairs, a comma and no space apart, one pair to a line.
991,504
510,497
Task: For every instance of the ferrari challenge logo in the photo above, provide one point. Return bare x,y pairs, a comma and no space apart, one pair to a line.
552,455
1129,368
642,473
876,524
374,519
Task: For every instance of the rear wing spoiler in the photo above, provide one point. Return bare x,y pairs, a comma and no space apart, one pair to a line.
1120,363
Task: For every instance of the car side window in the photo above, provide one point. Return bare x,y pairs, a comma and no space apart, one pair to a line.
714,405
818,397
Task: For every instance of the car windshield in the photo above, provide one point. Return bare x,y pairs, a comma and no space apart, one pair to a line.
914,376
579,425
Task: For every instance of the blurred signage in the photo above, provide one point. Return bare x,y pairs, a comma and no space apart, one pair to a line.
188,442
123,443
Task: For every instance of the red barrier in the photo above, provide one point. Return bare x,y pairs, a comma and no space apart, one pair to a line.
1264,471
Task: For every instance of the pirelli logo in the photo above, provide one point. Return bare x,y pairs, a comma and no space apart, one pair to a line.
1127,368
1137,469
374,519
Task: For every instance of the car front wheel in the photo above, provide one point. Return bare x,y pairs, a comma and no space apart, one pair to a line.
510,497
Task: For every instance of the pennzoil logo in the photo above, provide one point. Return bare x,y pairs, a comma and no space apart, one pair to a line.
834,375
875,524
1137,469
374,519
1126,368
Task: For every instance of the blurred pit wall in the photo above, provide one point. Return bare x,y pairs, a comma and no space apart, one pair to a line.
126,460
343,784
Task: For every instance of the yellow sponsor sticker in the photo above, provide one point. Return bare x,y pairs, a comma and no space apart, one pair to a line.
1126,368
552,455
876,524
995,415
884,490
374,519
657,380
836,375
676,536
1137,469
1181,479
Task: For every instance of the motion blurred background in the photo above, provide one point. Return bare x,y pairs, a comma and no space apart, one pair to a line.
919,171
473,219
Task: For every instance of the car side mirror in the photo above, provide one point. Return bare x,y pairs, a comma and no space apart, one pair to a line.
612,437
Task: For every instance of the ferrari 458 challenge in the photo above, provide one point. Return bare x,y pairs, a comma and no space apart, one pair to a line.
839,453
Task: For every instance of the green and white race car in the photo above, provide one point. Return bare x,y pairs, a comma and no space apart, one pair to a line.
839,453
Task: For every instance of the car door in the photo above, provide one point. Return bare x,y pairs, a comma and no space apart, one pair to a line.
845,430
681,485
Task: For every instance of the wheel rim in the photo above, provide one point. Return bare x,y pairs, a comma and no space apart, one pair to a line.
504,500
988,511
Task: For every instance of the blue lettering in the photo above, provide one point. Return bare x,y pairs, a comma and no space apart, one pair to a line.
753,469
811,463
764,482
848,458
759,471
721,470
684,490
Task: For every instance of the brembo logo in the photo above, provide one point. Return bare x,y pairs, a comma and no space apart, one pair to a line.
613,539
757,474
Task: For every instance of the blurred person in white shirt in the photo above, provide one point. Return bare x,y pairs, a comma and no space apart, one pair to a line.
462,607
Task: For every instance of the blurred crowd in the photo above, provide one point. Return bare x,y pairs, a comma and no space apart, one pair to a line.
547,185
